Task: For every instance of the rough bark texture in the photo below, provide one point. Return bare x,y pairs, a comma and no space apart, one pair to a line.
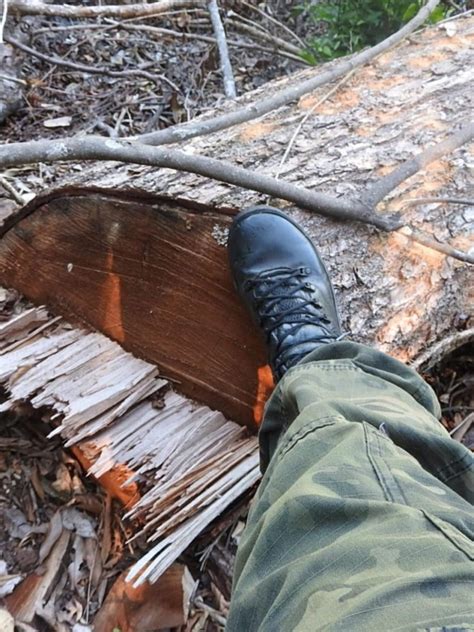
392,292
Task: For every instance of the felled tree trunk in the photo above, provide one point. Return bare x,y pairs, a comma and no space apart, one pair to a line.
392,292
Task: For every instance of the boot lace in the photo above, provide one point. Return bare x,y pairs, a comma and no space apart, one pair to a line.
283,297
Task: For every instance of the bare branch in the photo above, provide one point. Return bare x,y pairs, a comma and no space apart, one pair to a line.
252,111
20,82
380,189
260,34
198,36
439,350
434,244
98,148
93,70
12,191
439,200
219,32
24,7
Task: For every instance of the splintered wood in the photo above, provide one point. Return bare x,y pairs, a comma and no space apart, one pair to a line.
190,460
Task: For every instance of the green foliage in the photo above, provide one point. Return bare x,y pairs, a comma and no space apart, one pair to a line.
349,25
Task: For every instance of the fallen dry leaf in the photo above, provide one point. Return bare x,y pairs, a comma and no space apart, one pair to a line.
55,530
27,598
164,604
63,483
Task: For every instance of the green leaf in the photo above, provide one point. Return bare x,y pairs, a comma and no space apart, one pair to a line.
308,57
410,12
438,14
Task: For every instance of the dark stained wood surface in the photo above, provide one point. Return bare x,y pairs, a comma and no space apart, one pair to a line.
149,274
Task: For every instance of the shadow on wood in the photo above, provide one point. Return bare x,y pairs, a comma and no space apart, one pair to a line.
149,273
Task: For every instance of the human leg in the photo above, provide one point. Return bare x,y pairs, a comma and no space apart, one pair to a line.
362,520
349,531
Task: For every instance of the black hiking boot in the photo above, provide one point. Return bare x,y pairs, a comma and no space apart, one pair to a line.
282,280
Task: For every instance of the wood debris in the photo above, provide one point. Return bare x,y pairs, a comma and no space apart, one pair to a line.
190,461
164,604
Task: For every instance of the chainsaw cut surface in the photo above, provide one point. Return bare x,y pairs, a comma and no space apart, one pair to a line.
148,273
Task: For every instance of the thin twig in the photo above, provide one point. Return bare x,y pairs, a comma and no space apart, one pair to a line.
126,26
92,25
219,32
12,191
21,82
272,19
455,17
380,189
434,244
26,7
205,38
240,24
307,115
3,19
252,111
439,200
92,70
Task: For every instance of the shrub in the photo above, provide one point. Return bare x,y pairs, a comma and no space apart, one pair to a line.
349,25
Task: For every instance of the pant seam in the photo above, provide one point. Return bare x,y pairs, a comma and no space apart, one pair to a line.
444,471
309,427
375,449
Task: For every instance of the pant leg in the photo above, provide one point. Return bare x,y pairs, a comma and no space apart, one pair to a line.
363,520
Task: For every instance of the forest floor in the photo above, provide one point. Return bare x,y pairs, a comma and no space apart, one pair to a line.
183,77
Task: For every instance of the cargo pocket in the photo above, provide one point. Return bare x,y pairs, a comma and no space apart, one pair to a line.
456,537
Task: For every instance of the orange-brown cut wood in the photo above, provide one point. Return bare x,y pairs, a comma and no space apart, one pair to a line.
147,272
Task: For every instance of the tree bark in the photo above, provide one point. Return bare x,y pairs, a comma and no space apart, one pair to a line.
392,292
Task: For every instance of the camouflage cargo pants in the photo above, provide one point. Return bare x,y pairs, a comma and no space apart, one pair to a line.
363,520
